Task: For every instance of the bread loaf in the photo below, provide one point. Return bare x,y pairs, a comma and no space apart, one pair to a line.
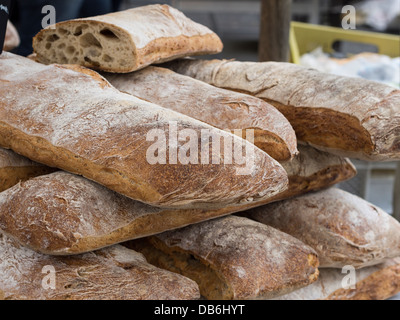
12,38
126,41
233,258
220,108
342,228
15,168
116,273
73,215
79,123
373,283
349,117
64,214
313,170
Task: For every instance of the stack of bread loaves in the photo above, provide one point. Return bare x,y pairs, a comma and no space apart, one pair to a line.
145,183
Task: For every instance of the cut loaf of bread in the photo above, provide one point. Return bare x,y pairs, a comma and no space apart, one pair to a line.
78,122
342,228
220,108
350,117
12,39
64,214
233,258
15,168
125,41
116,273
373,283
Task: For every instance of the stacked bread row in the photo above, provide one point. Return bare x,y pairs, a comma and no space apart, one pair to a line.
179,214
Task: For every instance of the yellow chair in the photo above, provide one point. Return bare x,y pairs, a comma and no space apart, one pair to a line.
306,37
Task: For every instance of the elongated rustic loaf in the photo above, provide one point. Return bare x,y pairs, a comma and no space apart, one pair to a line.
373,283
220,108
64,214
233,258
80,123
126,41
342,228
15,168
12,39
349,117
313,170
73,215
116,273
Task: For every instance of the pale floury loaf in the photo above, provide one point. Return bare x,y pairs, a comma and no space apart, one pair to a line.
350,117
127,40
233,258
218,107
116,273
64,214
78,122
343,228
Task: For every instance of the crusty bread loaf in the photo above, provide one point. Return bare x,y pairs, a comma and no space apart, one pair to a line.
342,228
233,258
126,41
15,168
12,38
313,170
218,107
373,283
94,217
116,273
64,214
349,117
79,123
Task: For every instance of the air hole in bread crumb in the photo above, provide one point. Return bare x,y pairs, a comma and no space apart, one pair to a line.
91,62
70,50
107,58
109,34
61,46
48,45
62,31
53,38
78,31
94,53
89,40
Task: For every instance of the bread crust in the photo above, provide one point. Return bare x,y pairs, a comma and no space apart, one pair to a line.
342,228
250,260
80,123
346,116
220,108
116,273
126,41
314,170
